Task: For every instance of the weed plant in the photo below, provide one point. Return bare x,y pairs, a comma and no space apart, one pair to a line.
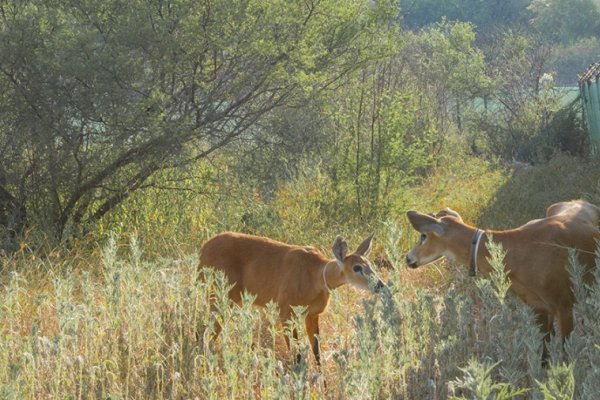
144,330
129,319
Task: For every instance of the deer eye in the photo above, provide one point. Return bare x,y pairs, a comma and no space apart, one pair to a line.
423,237
358,269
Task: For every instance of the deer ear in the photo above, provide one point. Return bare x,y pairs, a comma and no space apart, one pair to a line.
364,248
425,223
340,249
448,211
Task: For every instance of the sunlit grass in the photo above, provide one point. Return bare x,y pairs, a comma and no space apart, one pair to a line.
126,316
142,329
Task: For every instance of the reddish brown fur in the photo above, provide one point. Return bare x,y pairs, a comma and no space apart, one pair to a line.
536,254
287,274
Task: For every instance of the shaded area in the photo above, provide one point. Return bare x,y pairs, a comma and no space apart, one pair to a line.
532,189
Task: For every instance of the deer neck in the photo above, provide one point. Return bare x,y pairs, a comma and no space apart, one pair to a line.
506,239
333,276
468,248
478,252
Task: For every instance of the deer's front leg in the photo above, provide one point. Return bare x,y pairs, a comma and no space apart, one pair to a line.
312,330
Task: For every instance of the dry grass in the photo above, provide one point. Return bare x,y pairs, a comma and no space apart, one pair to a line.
119,320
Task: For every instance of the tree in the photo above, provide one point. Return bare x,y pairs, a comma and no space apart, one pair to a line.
566,21
97,96
488,16
526,119
393,117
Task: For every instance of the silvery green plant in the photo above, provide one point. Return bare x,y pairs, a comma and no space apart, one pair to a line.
142,329
501,313
393,237
581,354
559,383
478,383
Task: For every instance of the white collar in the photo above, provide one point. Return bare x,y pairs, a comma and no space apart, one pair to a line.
325,279
473,251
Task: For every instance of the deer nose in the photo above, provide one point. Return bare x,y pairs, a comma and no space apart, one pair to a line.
410,262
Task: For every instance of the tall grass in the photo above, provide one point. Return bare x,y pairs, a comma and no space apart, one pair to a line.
129,318
142,330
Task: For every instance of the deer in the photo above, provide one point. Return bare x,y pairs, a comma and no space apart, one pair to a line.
536,255
289,275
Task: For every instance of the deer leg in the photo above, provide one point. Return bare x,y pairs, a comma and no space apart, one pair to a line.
544,321
565,321
218,327
284,316
298,356
202,328
235,295
312,330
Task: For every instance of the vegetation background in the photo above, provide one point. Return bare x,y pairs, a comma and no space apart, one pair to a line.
131,131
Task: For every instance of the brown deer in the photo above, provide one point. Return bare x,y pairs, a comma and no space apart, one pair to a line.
287,274
536,254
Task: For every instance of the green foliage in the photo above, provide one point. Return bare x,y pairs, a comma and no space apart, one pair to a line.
488,16
383,150
98,97
498,278
572,59
566,21
103,100
462,182
478,382
526,117
396,116
449,56
559,24
561,383
449,71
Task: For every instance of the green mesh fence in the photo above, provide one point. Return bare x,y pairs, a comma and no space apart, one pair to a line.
589,86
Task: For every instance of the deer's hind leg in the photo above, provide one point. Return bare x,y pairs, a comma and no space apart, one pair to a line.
285,314
565,321
234,294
